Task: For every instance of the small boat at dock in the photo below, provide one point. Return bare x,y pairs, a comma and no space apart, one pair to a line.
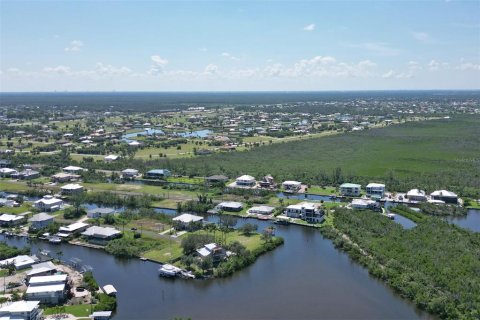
55,240
168,271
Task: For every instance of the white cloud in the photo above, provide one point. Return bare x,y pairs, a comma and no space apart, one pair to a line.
435,65
422,37
210,69
396,75
229,56
469,66
414,65
57,70
378,48
75,45
309,27
158,65
102,69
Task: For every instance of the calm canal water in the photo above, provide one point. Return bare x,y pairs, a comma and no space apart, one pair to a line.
471,221
306,278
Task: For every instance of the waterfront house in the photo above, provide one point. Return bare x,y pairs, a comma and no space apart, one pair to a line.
375,190
64,177
245,181
42,269
40,221
187,221
291,186
100,212
109,290
72,188
350,189
212,250
101,235
416,195
362,203
73,169
158,174
230,206
48,203
263,210
48,289
10,203
20,262
72,229
129,173
21,310
310,212
11,220
445,196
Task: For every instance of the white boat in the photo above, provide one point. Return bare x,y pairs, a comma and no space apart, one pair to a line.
54,240
167,270
391,215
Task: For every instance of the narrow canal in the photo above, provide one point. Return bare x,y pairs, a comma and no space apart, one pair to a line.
306,278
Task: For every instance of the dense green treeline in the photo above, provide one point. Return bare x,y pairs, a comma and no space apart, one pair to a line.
430,155
435,264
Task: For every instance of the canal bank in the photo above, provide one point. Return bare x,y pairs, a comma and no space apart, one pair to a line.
305,278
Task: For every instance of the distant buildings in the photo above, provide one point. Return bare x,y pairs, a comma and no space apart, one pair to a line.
129,173
73,169
100,212
212,250
363,204
111,158
11,220
350,189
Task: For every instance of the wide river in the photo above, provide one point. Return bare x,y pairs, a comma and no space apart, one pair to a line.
306,278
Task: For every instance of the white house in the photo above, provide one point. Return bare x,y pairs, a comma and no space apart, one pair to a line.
416,195
73,228
48,203
10,220
42,269
22,310
264,210
212,250
72,188
7,172
101,235
445,196
47,289
232,206
20,262
129,173
186,220
350,189
375,189
362,203
245,181
110,158
307,211
291,186
73,169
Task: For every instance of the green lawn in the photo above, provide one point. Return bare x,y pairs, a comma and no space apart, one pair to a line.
76,310
325,191
17,210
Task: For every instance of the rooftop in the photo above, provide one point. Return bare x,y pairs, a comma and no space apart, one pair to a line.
187,218
20,306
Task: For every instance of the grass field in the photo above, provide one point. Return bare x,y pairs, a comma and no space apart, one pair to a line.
76,310
437,153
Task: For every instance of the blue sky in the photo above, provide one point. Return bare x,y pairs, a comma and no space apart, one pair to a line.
238,45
